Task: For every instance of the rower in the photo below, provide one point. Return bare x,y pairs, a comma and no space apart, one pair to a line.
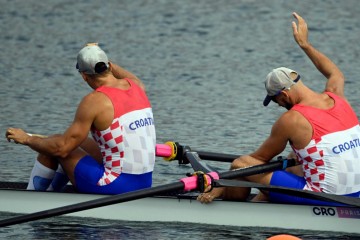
121,155
322,129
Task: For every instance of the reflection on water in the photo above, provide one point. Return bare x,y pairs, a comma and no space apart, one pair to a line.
78,228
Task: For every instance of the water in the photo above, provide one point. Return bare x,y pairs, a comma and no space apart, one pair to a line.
203,63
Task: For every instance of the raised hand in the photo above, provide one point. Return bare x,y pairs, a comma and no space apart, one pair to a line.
300,31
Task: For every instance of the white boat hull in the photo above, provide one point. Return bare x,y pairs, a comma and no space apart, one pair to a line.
170,209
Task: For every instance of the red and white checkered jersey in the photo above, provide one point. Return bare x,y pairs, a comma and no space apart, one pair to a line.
331,160
128,145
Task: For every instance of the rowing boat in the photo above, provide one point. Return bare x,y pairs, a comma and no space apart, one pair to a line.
182,207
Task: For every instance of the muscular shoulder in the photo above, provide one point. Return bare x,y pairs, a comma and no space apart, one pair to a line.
100,108
289,119
95,102
94,98
289,123
296,127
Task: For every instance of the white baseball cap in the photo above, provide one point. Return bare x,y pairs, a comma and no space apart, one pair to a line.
277,80
92,60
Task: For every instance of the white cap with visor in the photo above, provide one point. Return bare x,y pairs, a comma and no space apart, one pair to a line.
92,60
278,80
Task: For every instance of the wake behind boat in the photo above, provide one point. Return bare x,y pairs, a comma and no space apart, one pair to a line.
184,208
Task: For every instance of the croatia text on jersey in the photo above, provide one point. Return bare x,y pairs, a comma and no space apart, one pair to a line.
141,123
355,143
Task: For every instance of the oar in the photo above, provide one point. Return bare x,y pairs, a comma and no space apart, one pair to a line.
351,201
174,151
186,184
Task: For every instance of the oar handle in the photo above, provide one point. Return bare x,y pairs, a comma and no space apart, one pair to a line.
168,150
192,183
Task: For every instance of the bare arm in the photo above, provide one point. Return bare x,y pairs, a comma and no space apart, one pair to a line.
335,77
120,73
276,143
62,144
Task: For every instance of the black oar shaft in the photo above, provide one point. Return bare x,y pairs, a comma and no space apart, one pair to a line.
93,204
219,157
268,167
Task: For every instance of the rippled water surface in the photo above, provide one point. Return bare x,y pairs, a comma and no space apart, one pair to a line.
203,63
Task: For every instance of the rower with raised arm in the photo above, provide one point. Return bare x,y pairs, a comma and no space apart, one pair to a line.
120,157
322,129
